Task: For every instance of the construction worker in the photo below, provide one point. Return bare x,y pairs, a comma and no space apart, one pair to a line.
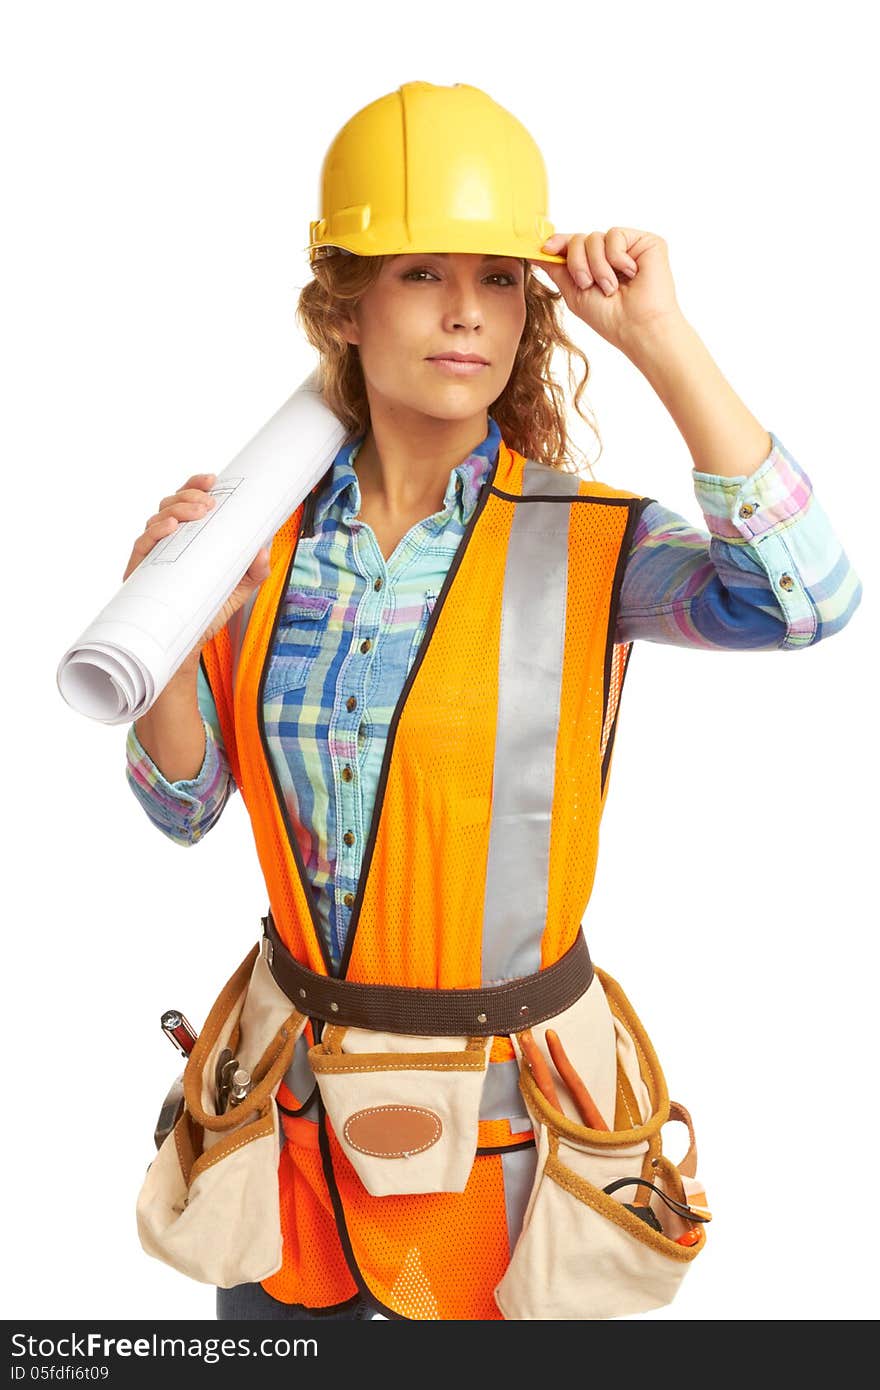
416,686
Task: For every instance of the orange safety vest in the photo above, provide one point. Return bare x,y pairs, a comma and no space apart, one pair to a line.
478,865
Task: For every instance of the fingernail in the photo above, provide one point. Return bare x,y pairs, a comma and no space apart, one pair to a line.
609,286
583,279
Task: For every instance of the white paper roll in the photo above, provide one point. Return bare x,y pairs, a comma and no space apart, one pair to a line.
123,660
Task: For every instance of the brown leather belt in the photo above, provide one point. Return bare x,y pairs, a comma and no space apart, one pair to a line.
497,1009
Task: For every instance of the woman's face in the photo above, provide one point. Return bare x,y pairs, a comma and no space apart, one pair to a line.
423,306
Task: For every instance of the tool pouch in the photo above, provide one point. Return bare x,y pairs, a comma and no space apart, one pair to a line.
582,1253
404,1109
209,1205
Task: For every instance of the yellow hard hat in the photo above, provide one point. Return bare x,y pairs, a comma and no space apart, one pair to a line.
433,168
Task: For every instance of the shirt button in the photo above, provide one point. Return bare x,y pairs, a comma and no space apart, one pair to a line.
366,644
746,509
351,703
347,774
348,837
348,899
377,584
786,582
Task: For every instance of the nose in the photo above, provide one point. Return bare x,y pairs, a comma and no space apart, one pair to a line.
462,319
462,308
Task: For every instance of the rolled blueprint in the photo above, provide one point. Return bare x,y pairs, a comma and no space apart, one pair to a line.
126,656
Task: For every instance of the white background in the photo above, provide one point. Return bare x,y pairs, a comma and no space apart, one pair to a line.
161,166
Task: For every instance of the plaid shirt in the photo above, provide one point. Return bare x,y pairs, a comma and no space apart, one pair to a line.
681,586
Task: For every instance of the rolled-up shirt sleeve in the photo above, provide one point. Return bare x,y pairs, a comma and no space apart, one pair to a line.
188,809
768,573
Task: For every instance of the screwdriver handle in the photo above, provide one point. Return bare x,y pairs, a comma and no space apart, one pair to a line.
181,1032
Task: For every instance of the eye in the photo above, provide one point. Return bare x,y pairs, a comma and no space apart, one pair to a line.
496,275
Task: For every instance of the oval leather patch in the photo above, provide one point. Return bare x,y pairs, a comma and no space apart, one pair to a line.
393,1131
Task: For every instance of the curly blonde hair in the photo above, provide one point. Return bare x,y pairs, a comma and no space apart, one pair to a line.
530,412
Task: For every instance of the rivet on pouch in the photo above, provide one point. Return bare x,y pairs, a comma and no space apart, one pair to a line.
481,1018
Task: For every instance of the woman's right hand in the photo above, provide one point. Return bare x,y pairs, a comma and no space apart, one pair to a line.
189,503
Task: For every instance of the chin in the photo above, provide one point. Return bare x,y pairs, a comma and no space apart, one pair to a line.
460,409
441,399
464,396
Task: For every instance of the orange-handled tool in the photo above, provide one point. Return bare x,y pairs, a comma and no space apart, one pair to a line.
587,1108
538,1067
690,1237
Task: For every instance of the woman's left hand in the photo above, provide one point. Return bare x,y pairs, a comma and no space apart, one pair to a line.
636,266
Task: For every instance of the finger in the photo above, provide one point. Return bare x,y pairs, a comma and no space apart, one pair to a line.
259,566
578,266
153,533
197,484
616,250
556,243
160,526
184,511
186,494
600,267
156,528
554,246
142,546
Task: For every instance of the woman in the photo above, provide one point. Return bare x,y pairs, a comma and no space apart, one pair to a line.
437,644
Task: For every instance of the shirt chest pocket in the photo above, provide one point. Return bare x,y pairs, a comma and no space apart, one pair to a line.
427,610
302,623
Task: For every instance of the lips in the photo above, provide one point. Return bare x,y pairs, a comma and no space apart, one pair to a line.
459,357
456,366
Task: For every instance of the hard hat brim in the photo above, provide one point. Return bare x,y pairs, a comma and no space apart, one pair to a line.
331,248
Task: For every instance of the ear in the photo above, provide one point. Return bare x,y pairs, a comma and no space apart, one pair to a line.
349,330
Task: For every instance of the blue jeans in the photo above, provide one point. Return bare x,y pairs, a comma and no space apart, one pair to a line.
251,1301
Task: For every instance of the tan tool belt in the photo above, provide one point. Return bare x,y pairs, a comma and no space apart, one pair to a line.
612,1223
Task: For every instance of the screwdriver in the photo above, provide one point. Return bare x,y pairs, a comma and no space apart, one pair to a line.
179,1030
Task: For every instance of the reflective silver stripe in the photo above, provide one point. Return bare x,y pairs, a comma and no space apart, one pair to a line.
502,1098
518,1168
299,1077
529,689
